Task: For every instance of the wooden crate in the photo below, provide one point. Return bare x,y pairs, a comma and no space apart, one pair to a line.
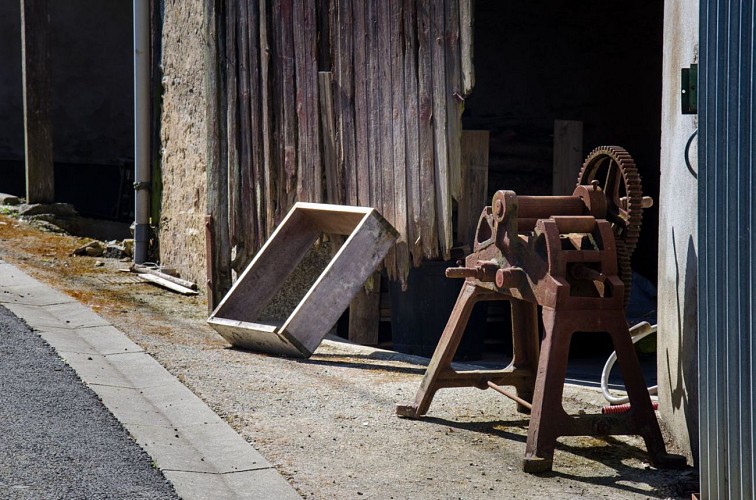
369,237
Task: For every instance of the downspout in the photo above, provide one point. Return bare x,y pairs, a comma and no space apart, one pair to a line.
141,129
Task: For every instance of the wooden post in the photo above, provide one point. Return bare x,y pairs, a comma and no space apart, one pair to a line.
219,254
364,313
35,52
474,183
568,155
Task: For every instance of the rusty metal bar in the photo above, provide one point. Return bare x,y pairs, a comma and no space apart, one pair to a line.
511,396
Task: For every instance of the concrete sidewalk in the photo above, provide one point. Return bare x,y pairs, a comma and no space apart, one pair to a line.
198,452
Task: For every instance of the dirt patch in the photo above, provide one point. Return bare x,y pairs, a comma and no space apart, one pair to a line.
328,423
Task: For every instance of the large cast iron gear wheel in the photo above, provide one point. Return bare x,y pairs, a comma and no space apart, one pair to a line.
615,171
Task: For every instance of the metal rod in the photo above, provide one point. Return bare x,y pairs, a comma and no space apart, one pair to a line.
511,396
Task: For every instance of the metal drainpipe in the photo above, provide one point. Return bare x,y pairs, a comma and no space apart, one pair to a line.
141,129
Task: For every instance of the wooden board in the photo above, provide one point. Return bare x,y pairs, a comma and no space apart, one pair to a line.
428,238
412,145
466,41
568,155
364,320
235,317
334,173
474,183
309,168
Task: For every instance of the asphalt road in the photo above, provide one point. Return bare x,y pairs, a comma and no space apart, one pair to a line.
57,440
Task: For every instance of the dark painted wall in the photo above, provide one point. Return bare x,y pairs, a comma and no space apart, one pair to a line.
92,94
594,61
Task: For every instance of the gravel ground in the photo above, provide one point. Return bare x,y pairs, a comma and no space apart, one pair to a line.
58,440
328,423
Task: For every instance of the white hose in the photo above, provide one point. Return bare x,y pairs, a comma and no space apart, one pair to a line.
638,332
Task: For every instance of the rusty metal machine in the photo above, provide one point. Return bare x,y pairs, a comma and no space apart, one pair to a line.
571,256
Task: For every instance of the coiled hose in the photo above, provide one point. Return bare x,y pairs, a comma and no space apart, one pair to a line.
637,332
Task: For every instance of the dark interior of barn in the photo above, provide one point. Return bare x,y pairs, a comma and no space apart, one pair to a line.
596,62
593,61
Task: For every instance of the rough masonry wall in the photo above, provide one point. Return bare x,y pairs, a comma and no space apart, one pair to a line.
183,140
678,237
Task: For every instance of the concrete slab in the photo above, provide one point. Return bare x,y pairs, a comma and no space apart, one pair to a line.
264,484
30,294
102,340
210,448
74,315
167,405
136,370
197,451
36,317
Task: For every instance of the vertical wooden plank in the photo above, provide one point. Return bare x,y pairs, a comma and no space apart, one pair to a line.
385,128
309,178
440,131
454,97
361,109
426,144
364,319
258,225
568,155
38,147
285,103
333,173
268,171
344,97
241,193
396,45
474,183
467,41
325,57
374,114
219,259
412,147
232,124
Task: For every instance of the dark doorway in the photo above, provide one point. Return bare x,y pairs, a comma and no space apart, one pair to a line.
593,61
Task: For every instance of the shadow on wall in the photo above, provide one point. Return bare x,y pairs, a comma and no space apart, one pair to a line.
684,390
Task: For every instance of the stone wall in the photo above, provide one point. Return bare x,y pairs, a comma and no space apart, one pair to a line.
678,237
183,140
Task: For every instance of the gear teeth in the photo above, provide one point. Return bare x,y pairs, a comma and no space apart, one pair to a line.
627,232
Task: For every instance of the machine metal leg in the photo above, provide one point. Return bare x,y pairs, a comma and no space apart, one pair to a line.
440,374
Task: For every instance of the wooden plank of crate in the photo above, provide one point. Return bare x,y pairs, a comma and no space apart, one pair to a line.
341,280
369,239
